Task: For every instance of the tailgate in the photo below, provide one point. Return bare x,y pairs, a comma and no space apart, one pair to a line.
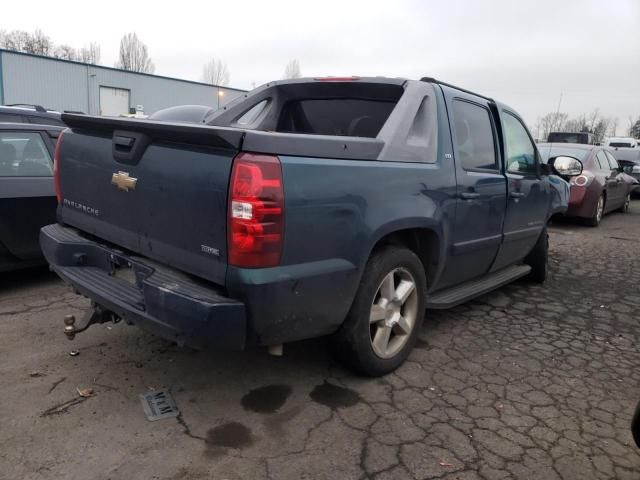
157,189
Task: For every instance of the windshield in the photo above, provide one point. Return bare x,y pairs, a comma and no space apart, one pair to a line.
549,151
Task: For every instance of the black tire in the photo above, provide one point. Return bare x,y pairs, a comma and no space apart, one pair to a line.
353,343
538,258
596,218
627,203
635,425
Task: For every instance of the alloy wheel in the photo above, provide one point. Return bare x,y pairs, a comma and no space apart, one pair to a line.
600,209
393,313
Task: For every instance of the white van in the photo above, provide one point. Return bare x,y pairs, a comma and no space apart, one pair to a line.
624,142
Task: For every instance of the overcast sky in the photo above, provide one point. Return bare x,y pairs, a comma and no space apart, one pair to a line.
524,53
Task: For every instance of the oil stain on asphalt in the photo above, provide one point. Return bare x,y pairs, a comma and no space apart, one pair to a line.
230,435
267,399
334,396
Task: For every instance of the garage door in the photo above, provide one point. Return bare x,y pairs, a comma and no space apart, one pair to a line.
114,101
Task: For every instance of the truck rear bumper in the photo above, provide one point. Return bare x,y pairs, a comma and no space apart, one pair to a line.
155,298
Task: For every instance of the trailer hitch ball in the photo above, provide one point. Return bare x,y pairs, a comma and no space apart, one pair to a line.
69,326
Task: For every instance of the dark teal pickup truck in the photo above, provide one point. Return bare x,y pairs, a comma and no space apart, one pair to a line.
311,207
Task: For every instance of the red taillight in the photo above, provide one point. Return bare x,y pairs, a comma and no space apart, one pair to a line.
256,211
56,171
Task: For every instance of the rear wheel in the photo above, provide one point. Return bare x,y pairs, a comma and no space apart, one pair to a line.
538,258
627,203
387,313
598,212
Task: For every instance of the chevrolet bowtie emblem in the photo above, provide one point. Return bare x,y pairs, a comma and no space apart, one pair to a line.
123,181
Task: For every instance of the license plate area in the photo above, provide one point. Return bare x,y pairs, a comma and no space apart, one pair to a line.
126,273
124,269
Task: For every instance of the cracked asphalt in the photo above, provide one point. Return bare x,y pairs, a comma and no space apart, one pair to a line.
528,382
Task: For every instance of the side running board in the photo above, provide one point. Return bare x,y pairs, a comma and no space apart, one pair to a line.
453,296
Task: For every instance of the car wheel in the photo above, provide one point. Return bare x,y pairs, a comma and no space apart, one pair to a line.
627,203
635,425
598,212
538,258
387,313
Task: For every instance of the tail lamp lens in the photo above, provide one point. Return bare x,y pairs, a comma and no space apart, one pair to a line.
56,169
256,211
580,180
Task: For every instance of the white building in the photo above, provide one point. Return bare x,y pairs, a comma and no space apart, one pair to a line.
97,90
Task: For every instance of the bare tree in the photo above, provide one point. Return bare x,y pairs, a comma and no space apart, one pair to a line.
551,122
216,72
39,44
90,54
292,70
613,130
65,52
134,55
16,40
633,129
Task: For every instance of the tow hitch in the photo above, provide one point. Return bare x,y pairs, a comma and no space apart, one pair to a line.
96,314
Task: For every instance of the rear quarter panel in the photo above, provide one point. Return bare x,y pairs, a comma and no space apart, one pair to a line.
335,213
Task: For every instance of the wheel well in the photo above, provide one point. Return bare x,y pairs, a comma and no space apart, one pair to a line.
421,241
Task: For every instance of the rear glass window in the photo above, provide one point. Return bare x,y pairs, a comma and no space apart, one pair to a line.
24,154
562,137
46,121
621,144
547,152
8,117
352,117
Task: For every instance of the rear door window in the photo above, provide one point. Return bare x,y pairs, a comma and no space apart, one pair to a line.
474,140
24,154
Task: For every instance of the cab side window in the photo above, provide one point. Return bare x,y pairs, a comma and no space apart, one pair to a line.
601,159
474,136
613,163
521,152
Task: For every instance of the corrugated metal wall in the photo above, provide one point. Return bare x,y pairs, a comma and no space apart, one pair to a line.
40,81
62,85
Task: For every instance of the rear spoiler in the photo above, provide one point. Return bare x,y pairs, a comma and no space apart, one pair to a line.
294,144
221,137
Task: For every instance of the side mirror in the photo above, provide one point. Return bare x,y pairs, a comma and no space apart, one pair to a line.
566,166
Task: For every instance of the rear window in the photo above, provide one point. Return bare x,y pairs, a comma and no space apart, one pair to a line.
621,144
547,152
24,154
46,121
9,117
563,137
335,116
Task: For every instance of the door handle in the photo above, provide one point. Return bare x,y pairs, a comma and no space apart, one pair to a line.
517,194
469,195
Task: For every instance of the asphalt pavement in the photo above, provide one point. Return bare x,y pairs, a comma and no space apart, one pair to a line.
528,382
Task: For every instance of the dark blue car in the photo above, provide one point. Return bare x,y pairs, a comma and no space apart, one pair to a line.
27,198
328,206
